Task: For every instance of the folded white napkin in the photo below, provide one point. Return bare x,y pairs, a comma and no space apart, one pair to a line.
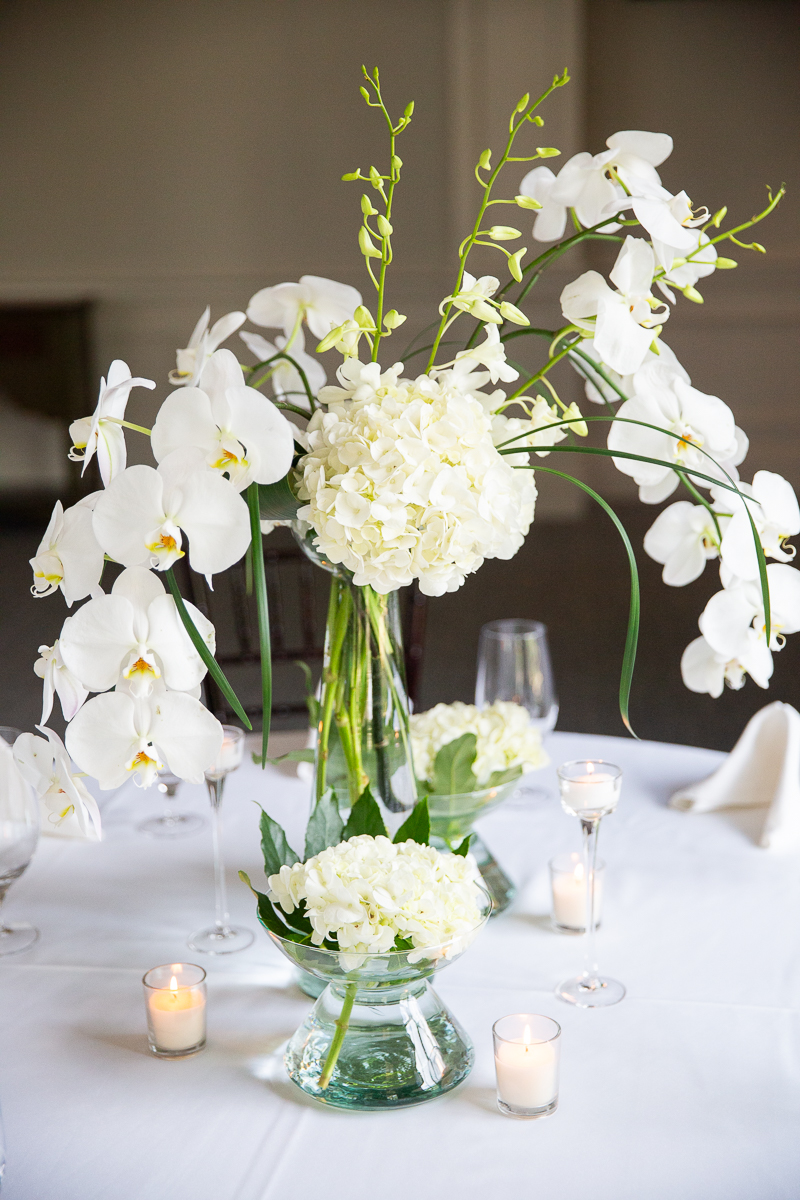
762,771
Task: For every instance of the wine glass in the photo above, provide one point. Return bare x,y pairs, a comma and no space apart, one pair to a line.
514,664
589,791
171,823
222,937
19,833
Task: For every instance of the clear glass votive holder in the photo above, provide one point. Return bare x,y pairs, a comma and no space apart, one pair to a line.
568,890
175,1000
527,1054
589,788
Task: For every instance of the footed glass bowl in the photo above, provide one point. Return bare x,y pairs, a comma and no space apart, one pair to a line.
452,818
379,1037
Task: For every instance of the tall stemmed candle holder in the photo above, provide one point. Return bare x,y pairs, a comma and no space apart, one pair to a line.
589,791
222,937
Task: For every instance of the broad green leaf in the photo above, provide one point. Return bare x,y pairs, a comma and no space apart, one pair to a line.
463,847
497,778
365,817
417,825
325,826
277,851
269,918
277,501
452,768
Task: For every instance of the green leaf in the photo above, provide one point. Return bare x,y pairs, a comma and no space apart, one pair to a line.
417,825
498,778
312,703
291,756
365,817
269,918
463,846
276,850
262,606
452,768
277,501
325,826
214,669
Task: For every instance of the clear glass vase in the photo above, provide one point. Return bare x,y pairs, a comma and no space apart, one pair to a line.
379,1036
362,734
452,819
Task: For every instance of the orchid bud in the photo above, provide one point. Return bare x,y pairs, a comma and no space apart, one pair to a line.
527,202
524,102
510,312
364,318
757,246
384,227
485,160
719,217
366,207
547,152
332,338
514,265
366,244
351,175
397,162
503,233
575,417
364,93
537,120
725,264
692,294
393,319
409,111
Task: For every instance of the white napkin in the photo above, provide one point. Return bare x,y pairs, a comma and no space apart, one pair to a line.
762,771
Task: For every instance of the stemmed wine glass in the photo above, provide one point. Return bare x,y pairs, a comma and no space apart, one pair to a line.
589,791
222,937
19,833
171,823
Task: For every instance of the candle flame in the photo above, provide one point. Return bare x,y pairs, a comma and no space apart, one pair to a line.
590,768
526,1037
173,984
577,874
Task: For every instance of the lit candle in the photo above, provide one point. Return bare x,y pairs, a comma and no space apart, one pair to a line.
568,882
591,792
175,996
230,754
526,1057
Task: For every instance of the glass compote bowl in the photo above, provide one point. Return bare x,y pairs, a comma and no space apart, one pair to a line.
452,818
379,1037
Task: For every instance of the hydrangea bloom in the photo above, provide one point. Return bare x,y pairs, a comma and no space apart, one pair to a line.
403,480
367,891
505,737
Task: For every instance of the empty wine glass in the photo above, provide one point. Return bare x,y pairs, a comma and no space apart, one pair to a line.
514,664
590,791
222,937
19,833
171,823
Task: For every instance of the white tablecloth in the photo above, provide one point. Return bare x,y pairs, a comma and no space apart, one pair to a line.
690,1088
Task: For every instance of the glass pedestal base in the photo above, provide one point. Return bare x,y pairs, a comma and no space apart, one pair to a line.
17,936
497,883
601,992
172,825
221,939
402,1047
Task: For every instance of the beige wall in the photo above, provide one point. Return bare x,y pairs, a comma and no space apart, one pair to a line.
161,154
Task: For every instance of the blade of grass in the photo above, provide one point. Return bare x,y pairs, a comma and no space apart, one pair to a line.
262,604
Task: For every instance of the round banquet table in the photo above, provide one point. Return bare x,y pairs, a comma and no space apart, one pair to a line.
689,1088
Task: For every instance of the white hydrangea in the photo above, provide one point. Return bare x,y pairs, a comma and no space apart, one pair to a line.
367,891
403,480
505,737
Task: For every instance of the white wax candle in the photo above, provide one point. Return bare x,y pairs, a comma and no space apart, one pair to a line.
177,1017
597,792
229,758
527,1073
569,897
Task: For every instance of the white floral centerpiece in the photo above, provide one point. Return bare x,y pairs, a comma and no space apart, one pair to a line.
408,468
483,747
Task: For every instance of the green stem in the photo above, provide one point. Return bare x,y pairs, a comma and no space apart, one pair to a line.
338,615
262,604
128,425
342,1022
282,355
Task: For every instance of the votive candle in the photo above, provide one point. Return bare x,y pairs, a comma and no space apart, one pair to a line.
527,1050
568,886
175,999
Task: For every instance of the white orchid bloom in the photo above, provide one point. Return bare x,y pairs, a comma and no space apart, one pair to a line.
117,736
776,516
67,809
322,303
683,537
685,272
621,322
69,556
596,388
58,680
472,298
240,432
137,635
102,434
139,518
704,670
285,379
733,621
698,425
669,220
489,354
586,184
202,344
